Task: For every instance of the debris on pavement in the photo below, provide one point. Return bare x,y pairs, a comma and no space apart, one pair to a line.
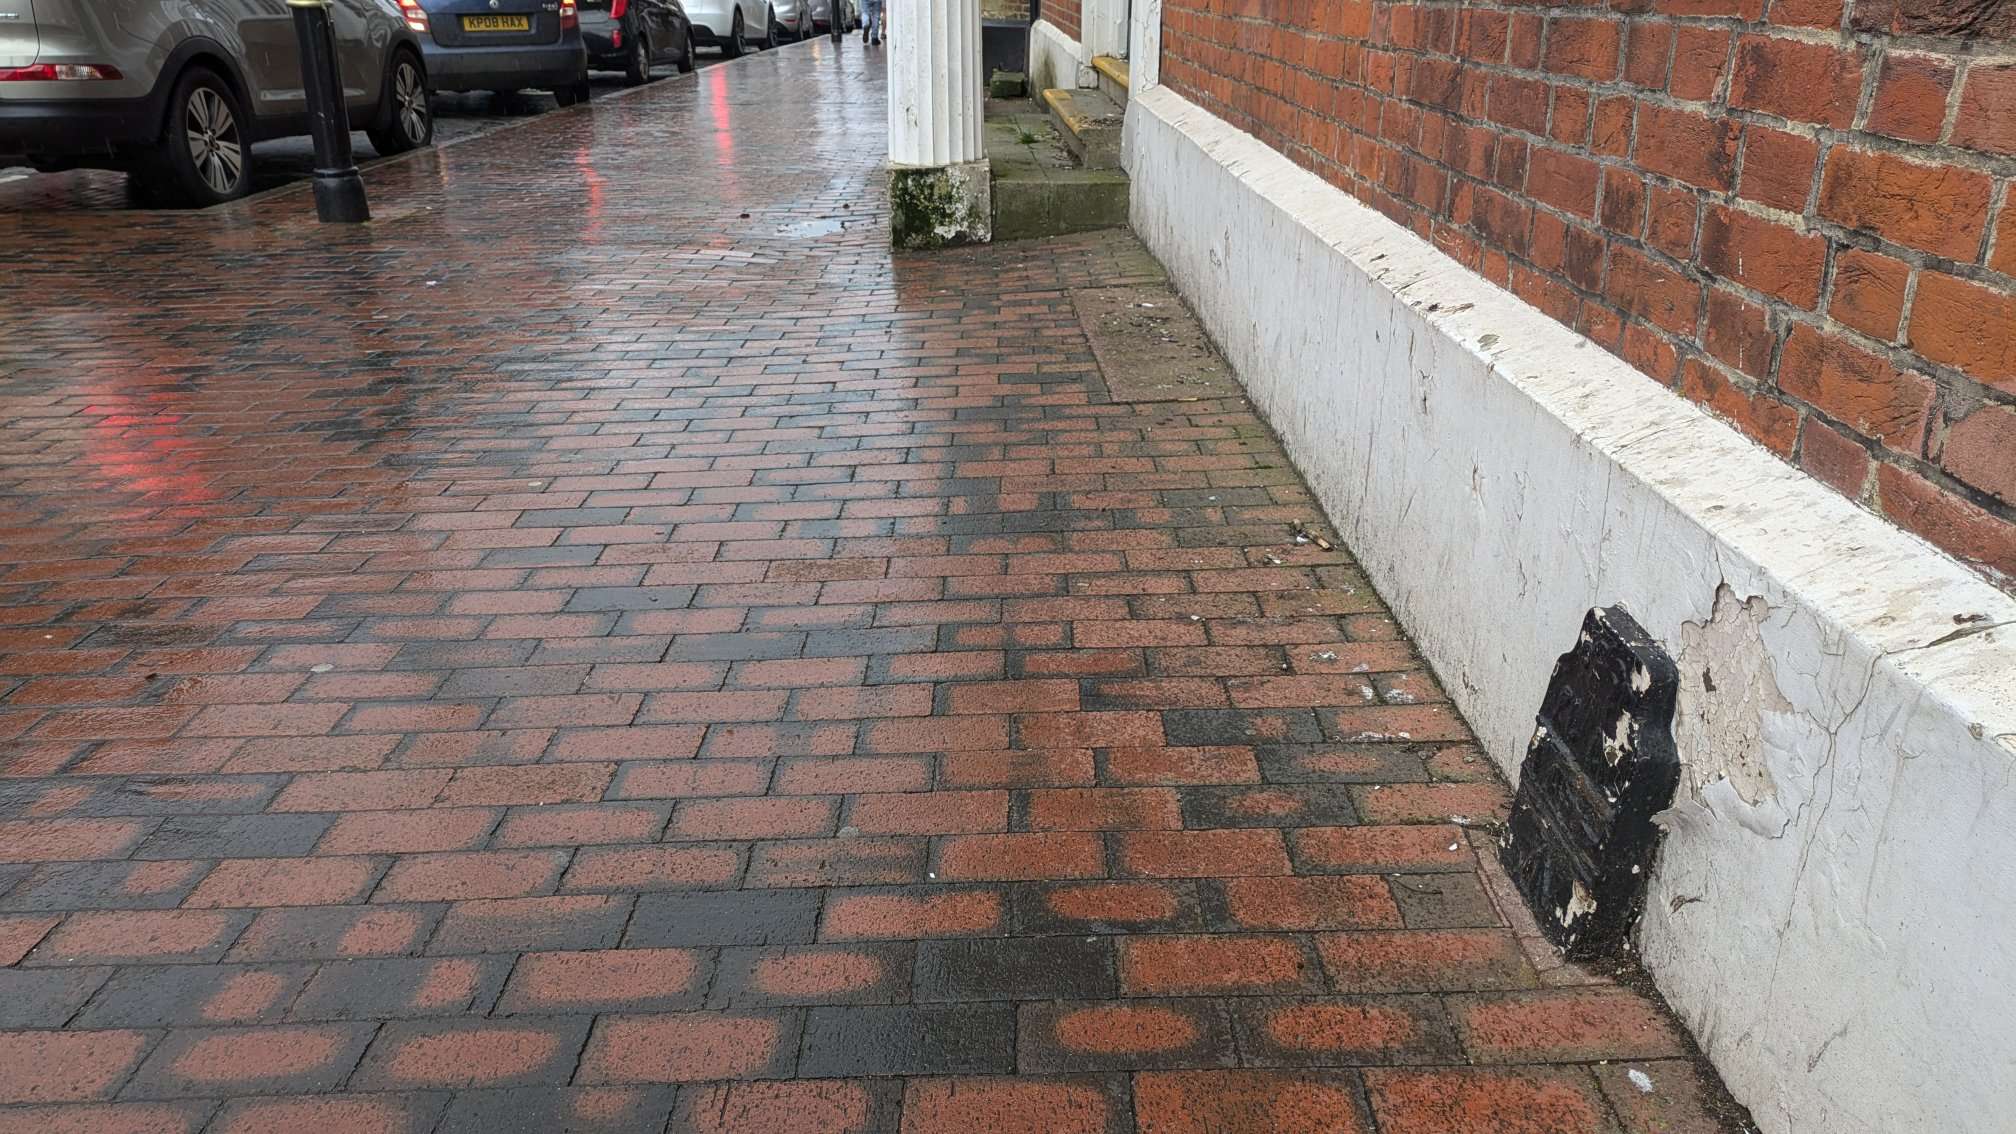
1303,533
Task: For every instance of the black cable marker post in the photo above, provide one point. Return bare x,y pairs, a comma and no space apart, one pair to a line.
339,191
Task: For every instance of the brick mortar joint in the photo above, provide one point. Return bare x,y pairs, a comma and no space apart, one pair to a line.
1826,137
1838,34
1951,380
1712,107
1807,220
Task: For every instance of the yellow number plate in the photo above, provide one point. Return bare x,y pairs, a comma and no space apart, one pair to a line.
496,23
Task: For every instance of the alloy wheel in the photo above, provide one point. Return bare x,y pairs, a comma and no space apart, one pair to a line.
411,95
215,147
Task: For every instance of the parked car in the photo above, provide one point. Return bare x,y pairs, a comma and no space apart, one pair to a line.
174,92
500,45
789,20
822,15
634,36
730,24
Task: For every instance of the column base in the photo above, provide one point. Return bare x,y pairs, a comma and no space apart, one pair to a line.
936,206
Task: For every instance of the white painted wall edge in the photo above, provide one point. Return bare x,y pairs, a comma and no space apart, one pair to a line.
1833,915
1056,59
1144,59
1105,26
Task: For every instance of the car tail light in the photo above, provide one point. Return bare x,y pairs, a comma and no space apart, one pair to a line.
416,16
569,16
54,72
617,8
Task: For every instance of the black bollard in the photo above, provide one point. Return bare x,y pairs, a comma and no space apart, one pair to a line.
339,191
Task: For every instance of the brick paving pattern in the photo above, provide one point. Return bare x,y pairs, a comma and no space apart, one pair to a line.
607,646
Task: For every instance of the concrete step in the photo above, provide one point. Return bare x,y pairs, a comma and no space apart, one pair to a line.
1089,122
1112,72
1039,189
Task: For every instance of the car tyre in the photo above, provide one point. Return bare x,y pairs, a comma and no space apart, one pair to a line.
775,32
204,156
410,124
738,38
687,61
637,67
572,94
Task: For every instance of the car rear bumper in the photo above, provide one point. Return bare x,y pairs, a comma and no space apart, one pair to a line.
76,127
541,67
713,20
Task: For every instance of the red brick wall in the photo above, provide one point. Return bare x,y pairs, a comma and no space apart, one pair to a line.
1062,13
1796,212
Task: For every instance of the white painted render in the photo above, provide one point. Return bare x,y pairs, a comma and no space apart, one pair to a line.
1833,914
936,91
1106,26
1144,61
1057,60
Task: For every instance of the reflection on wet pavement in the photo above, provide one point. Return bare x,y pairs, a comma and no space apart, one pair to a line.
284,161
608,646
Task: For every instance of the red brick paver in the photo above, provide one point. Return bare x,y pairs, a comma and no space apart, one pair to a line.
609,647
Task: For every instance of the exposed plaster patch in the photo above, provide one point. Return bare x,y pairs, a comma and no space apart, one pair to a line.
1728,689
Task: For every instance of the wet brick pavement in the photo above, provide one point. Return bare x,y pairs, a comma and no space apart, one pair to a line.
607,645
458,116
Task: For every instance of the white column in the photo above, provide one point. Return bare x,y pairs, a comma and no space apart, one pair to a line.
939,188
935,85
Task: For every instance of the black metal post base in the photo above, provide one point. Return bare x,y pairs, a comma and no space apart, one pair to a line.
339,191
339,198
1581,841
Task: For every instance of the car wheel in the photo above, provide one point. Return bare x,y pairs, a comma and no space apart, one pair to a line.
637,69
687,62
412,117
204,158
738,38
572,94
775,31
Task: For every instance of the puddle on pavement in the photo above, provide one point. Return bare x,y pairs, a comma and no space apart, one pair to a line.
812,228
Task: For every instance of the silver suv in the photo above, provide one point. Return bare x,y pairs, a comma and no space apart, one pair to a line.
175,91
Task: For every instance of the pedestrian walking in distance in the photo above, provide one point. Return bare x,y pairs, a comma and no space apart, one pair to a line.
871,22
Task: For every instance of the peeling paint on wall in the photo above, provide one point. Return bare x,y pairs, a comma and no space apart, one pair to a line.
1847,976
1725,727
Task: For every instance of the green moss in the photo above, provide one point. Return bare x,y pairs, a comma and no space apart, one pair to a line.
931,208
